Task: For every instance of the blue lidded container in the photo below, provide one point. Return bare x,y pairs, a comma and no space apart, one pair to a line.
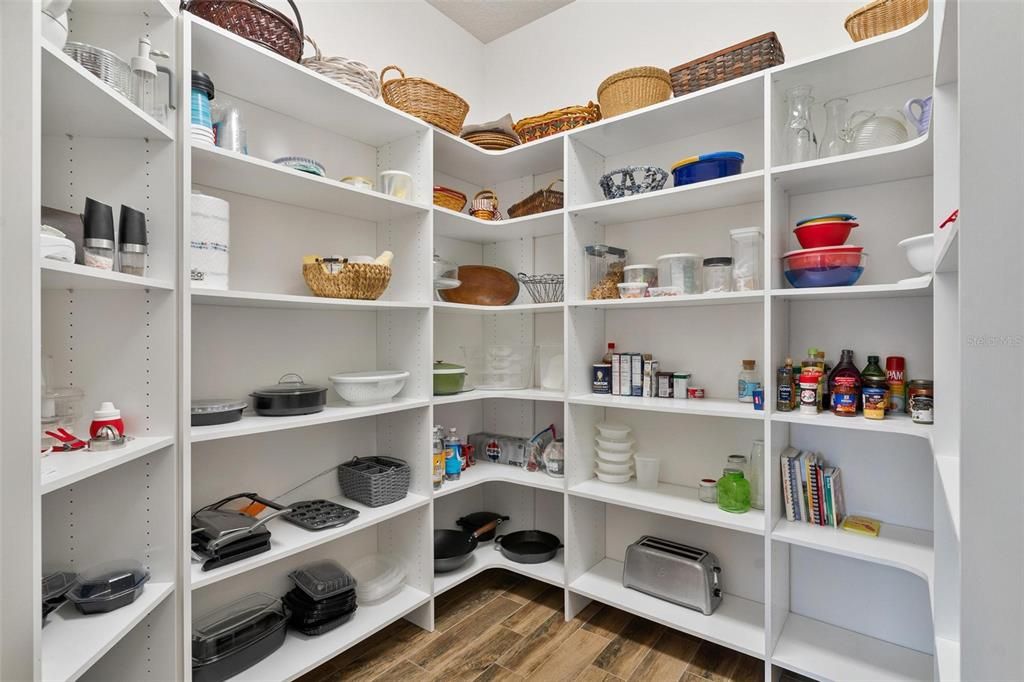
706,167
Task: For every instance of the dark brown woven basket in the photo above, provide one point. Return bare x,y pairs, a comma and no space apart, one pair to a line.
750,56
254,21
539,202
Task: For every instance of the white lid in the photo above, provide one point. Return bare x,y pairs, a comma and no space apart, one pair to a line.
679,255
370,377
107,411
744,231
396,172
637,267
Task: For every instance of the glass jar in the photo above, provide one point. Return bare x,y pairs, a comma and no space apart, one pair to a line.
717,275
757,475
604,271
833,143
921,401
733,491
747,257
707,490
798,139
739,462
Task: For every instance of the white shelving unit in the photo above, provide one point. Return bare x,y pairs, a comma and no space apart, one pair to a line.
791,598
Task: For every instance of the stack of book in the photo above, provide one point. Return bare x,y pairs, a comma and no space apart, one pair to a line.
812,490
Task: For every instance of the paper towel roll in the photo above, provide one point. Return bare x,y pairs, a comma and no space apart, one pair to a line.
210,241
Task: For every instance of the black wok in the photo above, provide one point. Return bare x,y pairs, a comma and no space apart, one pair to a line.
452,548
470,522
528,546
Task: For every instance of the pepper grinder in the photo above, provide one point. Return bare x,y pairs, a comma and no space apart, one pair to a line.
98,234
133,242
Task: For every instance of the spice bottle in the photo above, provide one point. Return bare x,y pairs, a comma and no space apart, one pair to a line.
785,387
875,391
845,386
810,384
896,372
607,359
816,358
747,382
98,235
132,241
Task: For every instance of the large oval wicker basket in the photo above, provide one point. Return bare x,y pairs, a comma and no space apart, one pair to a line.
557,121
882,16
634,88
425,100
254,21
363,281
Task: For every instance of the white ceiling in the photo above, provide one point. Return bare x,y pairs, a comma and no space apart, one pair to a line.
491,19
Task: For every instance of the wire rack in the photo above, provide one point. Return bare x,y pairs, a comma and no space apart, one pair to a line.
544,288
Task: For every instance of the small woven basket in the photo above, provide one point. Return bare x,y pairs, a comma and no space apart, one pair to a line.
626,185
485,205
446,197
374,481
348,72
741,59
557,121
539,202
425,100
882,16
634,88
254,21
363,281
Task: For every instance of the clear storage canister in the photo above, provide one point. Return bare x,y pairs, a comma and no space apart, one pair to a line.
681,270
604,271
636,274
717,275
747,257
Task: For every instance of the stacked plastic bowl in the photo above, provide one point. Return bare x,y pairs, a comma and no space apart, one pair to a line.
614,449
826,260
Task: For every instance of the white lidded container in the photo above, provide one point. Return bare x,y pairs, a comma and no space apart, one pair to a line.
747,258
209,241
681,270
369,388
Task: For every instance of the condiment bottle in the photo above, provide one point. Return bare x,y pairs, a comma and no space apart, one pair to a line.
826,369
896,372
747,382
875,389
607,359
816,358
452,456
437,459
921,401
845,386
785,387
810,383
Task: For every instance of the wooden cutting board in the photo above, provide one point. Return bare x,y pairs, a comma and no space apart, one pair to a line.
482,285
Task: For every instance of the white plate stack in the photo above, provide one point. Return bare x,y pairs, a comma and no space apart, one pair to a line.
614,449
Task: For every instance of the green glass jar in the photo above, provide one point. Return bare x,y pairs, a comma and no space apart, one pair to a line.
733,491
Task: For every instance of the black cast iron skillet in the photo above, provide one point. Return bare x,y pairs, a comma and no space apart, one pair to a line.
528,546
452,548
470,522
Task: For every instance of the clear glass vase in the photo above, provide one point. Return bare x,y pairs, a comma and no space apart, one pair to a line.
834,142
799,141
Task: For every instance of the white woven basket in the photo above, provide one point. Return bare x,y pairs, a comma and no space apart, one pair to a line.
348,72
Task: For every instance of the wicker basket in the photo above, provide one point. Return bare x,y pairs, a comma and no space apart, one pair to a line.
741,59
446,197
557,121
540,201
633,89
374,481
425,100
485,205
348,72
254,21
363,281
882,16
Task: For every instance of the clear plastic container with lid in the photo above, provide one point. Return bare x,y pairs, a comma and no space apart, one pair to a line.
604,268
323,579
236,636
717,275
747,257
108,586
378,577
681,270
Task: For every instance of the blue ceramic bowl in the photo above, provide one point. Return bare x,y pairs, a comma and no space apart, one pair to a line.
842,276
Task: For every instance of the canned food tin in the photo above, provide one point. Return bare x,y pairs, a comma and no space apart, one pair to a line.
602,380
921,401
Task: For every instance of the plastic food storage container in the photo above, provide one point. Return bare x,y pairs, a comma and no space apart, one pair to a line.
217,411
632,289
551,367
604,268
449,378
681,270
659,292
369,388
641,273
323,579
706,167
832,266
500,367
236,637
108,587
378,576
55,585
747,257
717,275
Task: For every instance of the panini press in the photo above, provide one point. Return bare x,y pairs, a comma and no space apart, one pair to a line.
224,536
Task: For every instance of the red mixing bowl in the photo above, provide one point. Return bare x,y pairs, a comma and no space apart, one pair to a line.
824,234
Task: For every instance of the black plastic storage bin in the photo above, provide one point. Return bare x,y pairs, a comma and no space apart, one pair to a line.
236,637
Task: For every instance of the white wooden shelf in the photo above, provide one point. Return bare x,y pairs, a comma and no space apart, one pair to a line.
287,539
257,75
825,652
74,102
73,642
299,654
738,623
55,274
669,500
947,659
948,467
734,190
465,227
235,172
892,424
61,469
153,9
260,299
460,159
911,159
473,395
684,301
948,256
706,407
922,287
485,472
487,556
252,423
908,549
457,308
947,61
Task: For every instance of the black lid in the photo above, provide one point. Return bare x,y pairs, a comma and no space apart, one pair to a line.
873,358
718,260
98,220
132,228
200,81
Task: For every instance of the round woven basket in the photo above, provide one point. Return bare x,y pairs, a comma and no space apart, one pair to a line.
633,89
485,205
348,72
425,100
254,21
882,16
363,281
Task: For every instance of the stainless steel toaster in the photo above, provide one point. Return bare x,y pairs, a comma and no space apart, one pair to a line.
674,572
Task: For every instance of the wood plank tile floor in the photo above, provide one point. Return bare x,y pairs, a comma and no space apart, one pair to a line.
501,626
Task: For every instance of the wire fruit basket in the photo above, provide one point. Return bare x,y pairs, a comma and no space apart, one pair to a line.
544,288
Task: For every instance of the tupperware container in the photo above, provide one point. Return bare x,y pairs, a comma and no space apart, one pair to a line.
236,637
816,235
378,576
717,275
824,267
323,579
632,289
55,587
613,431
660,292
615,445
369,388
216,411
747,258
500,367
449,378
609,456
681,270
706,167
108,587
641,273
604,267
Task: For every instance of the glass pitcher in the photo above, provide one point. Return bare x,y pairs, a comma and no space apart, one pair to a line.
836,137
799,141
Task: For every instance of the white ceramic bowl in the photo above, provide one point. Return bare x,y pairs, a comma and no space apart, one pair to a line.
614,456
920,252
612,431
615,445
613,468
54,29
369,388
613,478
